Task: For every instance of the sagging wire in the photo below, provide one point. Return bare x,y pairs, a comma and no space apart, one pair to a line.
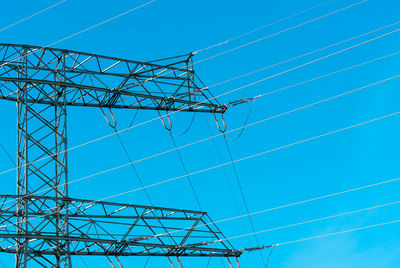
147,262
188,128
179,262
83,261
222,130
113,125
253,101
168,127
230,263
235,202
269,257
134,117
262,27
110,261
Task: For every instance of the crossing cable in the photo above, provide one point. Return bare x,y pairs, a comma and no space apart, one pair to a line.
305,54
11,160
242,193
169,129
235,202
269,256
304,222
307,201
258,154
197,103
186,171
336,233
253,101
235,161
262,27
224,170
113,125
252,124
78,33
31,16
9,157
282,31
265,37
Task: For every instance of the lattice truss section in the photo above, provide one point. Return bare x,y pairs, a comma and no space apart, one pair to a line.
93,80
41,224
113,229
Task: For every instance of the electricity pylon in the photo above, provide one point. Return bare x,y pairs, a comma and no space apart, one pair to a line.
42,224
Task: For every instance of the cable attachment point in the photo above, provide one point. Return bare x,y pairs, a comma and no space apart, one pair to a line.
223,128
169,126
238,102
113,123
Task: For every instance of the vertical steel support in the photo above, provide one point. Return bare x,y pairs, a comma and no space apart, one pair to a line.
42,134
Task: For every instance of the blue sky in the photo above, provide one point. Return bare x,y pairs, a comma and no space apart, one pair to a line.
349,159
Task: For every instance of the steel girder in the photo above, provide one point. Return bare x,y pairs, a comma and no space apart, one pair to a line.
100,81
112,229
42,224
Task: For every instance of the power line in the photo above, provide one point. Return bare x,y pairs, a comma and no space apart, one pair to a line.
252,124
305,222
277,33
242,194
283,31
336,233
223,94
262,27
80,32
304,55
308,63
185,170
260,154
314,220
31,16
242,159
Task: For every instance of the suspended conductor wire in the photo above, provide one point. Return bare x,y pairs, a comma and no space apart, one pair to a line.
246,121
303,202
235,202
242,194
265,37
324,235
336,233
303,55
304,222
9,157
169,129
113,125
258,154
238,160
186,171
269,257
262,27
188,127
31,16
134,117
156,118
80,32
252,124
282,31
308,63
8,154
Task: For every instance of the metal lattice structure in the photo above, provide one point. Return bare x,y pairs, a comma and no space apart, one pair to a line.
41,224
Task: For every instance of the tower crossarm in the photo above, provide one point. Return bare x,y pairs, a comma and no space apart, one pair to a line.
136,230
100,81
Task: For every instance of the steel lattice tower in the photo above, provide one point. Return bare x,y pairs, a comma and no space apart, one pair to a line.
42,224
